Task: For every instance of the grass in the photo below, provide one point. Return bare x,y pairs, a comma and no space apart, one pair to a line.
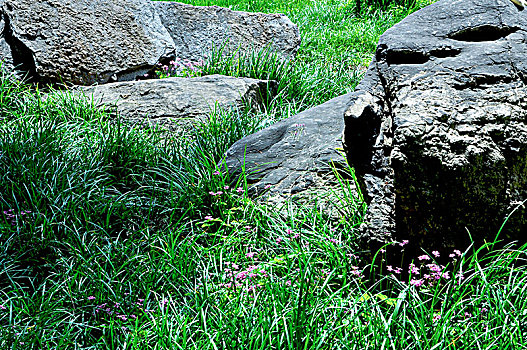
114,237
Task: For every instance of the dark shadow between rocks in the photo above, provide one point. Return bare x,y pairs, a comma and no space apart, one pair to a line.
22,57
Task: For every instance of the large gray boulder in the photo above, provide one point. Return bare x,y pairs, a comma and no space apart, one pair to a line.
85,41
292,155
437,129
197,29
173,101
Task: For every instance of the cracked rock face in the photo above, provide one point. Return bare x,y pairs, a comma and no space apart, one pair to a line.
197,29
437,129
84,41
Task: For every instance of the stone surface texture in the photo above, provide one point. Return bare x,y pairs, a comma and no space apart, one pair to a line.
5,51
294,154
169,101
85,41
197,29
437,128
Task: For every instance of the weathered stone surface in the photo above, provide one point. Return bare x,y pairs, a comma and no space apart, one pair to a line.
165,101
437,128
196,29
5,55
5,51
294,154
85,41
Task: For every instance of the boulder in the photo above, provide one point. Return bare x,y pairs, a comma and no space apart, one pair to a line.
85,41
197,29
437,128
294,154
169,101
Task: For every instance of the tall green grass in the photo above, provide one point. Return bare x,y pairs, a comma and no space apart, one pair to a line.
115,237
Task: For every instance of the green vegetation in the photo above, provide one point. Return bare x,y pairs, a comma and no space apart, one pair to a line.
114,237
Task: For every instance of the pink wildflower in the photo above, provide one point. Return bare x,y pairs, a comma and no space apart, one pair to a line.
250,255
267,187
239,189
436,253
423,257
208,218
225,187
413,269
279,239
416,282
434,267
216,172
404,242
457,252
91,297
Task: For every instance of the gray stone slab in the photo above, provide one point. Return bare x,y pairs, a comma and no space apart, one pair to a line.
170,101
197,29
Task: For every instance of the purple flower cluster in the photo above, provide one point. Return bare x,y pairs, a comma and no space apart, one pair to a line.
180,68
288,232
12,216
122,311
252,276
428,273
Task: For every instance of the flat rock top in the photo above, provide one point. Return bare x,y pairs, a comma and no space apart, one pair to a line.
165,100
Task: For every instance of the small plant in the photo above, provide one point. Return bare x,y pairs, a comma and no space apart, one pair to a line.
179,68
